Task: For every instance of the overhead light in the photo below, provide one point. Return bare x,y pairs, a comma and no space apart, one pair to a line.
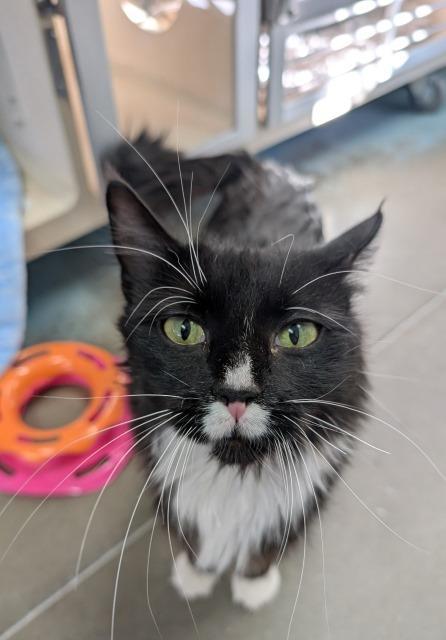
400,43
363,6
419,35
366,32
329,108
341,41
399,59
402,18
342,14
382,26
226,7
156,16
423,10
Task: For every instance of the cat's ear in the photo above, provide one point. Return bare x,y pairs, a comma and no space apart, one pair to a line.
346,249
133,226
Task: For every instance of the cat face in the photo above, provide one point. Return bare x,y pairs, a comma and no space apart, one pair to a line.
251,349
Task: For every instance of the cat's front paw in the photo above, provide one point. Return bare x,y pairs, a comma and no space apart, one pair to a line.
254,593
190,582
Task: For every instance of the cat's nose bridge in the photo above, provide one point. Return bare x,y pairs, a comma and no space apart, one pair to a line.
237,384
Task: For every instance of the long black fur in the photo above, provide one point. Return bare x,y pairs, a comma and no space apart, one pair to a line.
250,283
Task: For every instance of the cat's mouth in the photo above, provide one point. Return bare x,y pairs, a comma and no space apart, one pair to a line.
235,449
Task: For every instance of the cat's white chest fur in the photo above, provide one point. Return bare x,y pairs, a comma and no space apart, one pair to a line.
232,512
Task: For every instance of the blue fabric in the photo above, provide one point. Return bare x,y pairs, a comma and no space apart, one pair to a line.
12,260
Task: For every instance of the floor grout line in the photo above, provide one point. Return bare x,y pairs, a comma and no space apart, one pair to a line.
409,322
74,582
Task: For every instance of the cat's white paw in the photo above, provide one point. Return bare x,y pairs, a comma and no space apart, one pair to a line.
190,582
253,593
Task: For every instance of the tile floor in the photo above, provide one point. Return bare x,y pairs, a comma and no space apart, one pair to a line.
378,586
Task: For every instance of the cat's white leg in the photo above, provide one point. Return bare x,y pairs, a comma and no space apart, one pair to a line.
189,581
254,593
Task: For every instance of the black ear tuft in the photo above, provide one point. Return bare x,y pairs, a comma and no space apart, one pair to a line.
344,250
132,223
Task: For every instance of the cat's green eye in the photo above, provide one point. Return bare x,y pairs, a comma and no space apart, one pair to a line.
297,335
183,331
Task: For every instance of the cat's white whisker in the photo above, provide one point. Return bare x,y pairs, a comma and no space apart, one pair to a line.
319,435
304,519
149,293
316,501
323,315
175,378
177,297
203,215
193,252
154,172
289,235
167,306
361,501
183,471
335,427
381,421
185,437
145,435
121,247
53,490
124,542
371,273
289,505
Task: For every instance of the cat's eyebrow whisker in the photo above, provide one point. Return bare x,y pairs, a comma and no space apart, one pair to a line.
109,478
67,446
361,501
188,217
144,298
323,315
167,306
371,273
188,226
335,427
425,455
200,270
178,297
209,203
121,247
289,235
124,542
53,490
147,163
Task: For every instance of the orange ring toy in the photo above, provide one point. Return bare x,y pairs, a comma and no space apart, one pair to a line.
47,365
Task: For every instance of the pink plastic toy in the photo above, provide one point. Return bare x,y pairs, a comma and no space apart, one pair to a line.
81,456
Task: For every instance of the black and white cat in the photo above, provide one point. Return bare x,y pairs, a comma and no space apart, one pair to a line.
245,340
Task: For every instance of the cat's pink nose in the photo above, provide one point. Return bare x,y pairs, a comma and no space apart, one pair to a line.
236,409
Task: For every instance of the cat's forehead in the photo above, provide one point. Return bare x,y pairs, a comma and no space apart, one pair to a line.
244,280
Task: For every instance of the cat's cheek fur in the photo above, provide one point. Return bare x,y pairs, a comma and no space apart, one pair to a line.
217,423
